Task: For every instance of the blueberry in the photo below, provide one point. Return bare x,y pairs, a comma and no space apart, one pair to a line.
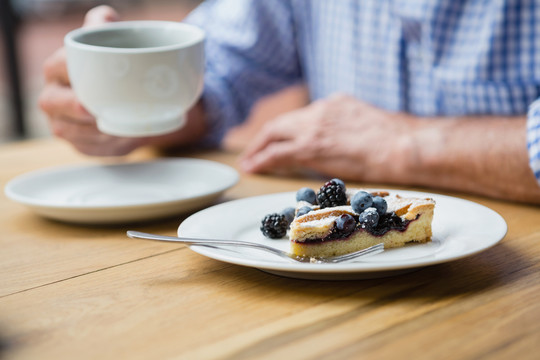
303,211
340,182
306,194
380,204
289,214
345,224
369,218
361,201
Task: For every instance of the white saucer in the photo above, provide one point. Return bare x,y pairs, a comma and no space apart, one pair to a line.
108,194
460,228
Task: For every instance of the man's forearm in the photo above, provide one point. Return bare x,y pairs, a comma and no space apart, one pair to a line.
487,156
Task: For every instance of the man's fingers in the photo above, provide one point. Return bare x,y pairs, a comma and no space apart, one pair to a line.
100,15
275,131
70,130
87,139
60,101
55,69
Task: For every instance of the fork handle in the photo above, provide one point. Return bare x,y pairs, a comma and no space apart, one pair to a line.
205,242
187,240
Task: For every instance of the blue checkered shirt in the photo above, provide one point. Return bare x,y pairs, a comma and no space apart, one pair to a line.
426,57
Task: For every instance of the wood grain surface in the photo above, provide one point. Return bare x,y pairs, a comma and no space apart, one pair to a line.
88,292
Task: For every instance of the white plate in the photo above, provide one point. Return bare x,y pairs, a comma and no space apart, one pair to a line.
460,228
108,194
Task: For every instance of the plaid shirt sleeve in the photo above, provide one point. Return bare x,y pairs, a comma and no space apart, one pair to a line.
251,52
533,138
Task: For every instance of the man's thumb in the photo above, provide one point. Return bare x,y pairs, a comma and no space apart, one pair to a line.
100,15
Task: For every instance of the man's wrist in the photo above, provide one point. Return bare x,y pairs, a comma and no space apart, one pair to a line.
423,148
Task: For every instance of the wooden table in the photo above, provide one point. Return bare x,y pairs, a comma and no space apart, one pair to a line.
86,292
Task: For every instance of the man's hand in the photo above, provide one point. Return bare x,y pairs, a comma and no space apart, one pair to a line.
347,138
339,136
67,117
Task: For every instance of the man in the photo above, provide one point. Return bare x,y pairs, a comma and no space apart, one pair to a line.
429,93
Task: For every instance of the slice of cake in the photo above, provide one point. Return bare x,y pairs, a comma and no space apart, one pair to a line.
336,221
339,230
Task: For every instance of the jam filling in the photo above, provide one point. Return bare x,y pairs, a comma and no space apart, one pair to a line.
387,222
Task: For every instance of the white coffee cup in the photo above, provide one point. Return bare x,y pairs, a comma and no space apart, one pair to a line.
138,78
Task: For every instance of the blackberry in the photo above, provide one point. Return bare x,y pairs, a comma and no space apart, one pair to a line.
340,182
274,226
331,194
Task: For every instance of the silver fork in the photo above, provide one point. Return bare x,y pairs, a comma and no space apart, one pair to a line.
215,242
